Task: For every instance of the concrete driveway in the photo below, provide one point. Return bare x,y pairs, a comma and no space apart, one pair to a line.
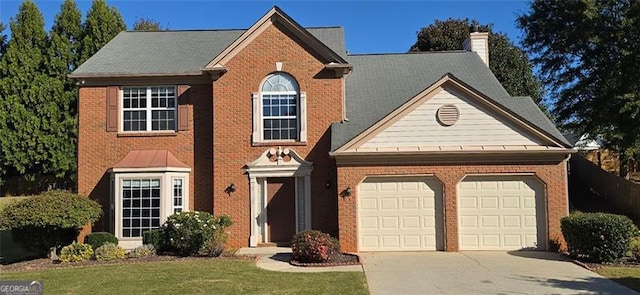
481,273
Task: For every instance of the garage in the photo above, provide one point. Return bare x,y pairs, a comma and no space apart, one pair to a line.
501,213
400,214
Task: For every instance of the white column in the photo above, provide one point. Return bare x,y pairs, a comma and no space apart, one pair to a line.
254,199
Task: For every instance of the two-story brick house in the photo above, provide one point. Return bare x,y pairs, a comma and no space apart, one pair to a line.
278,127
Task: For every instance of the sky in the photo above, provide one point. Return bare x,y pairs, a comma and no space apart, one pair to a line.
370,26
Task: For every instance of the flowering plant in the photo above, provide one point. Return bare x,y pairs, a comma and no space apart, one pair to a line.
313,246
186,232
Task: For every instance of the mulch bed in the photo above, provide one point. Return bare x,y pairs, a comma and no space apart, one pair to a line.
45,263
338,259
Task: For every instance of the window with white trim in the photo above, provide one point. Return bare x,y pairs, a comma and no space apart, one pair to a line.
140,206
150,108
280,111
178,195
144,199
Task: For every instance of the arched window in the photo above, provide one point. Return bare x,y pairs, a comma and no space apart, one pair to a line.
280,107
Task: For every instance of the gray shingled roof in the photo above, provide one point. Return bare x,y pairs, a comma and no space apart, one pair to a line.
176,52
379,84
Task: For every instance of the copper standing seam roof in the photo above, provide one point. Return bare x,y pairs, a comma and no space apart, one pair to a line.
148,159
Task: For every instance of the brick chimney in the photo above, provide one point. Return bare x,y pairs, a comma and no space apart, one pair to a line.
478,43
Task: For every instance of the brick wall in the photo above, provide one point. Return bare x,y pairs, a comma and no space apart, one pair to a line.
98,150
232,146
553,176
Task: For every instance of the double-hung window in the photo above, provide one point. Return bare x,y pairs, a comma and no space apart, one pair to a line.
150,108
280,111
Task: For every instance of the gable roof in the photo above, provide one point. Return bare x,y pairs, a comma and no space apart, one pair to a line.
175,53
275,15
379,84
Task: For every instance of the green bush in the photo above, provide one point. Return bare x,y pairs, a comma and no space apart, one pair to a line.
142,251
155,237
52,219
76,252
597,237
109,251
313,246
186,232
97,239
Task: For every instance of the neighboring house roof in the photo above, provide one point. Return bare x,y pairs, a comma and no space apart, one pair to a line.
134,53
149,159
381,83
582,142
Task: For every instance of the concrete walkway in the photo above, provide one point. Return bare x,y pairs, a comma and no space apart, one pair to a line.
277,259
485,272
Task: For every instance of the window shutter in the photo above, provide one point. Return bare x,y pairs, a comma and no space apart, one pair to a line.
112,108
183,108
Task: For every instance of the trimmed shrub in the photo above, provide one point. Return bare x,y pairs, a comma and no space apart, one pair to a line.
597,237
217,243
109,251
76,252
186,232
142,251
154,237
97,239
313,246
52,219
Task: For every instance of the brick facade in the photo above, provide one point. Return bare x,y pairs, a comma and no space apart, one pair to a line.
553,176
232,146
99,150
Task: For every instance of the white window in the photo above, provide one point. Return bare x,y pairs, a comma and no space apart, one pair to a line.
140,206
178,195
279,110
149,108
144,200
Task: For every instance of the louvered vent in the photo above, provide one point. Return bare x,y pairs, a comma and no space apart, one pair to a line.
448,115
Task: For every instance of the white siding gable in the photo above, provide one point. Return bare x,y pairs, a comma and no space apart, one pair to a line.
477,126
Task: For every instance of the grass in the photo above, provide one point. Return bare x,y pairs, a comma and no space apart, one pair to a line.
627,276
207,276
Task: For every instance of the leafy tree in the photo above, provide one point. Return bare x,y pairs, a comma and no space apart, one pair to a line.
35,137
147,24
588,55
103,22
507,61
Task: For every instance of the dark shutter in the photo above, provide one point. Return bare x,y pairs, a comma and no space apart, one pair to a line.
112,109
183,107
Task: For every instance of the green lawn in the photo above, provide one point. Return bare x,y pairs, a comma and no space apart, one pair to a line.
208,276
627,276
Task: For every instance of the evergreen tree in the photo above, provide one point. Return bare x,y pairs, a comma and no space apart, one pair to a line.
102,24
3,38
64,40
36,131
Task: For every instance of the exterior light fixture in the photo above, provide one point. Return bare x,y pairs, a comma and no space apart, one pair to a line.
346,192
230,189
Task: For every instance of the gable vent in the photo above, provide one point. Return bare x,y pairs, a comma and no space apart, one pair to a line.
448,114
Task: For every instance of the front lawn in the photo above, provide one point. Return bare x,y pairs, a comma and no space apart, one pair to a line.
627,276
195,276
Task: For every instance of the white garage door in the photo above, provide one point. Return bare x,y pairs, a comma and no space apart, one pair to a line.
400,214
501,213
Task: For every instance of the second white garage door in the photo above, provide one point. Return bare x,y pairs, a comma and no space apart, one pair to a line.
501,213
400,214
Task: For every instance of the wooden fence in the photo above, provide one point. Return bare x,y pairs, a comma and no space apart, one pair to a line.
619,192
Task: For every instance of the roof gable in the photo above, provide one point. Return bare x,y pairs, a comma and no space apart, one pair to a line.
414,127
373,91
275,15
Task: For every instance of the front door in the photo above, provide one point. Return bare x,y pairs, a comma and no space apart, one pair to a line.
281,218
